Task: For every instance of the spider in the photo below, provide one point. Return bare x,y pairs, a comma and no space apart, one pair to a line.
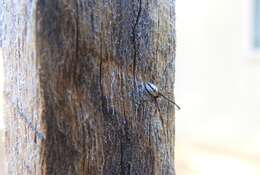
155,93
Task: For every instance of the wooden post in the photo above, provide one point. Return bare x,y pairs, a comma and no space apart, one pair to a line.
74,96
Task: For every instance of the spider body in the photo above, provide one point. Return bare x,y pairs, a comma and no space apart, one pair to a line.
152,89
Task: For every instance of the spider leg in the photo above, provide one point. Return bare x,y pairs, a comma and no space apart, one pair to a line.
177,106
157,105
159,111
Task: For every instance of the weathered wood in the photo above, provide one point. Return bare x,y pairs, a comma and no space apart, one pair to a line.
74,99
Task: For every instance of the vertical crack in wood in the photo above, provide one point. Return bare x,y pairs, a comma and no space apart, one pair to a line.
77,37
122,154
101,72
134,33
129,169
84,151
100,85
158,36
123,129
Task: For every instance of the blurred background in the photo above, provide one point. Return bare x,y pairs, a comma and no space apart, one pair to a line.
2,151
217,86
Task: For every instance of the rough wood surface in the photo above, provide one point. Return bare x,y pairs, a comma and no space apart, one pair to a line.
74,72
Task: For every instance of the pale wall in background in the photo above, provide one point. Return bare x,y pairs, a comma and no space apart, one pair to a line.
1,91
3,163
218,88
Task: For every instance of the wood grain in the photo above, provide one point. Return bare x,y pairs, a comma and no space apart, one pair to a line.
79,108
